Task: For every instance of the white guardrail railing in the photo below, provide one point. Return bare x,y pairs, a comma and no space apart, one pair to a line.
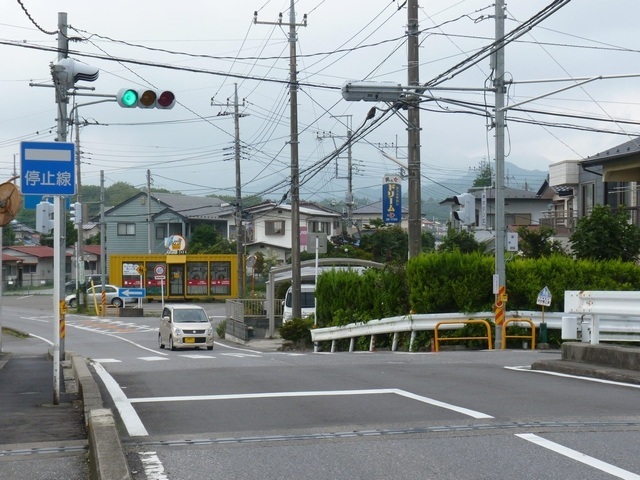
590,316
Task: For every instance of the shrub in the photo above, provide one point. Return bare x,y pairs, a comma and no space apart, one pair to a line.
297,330
221,328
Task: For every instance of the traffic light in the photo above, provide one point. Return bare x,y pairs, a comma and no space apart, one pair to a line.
147,98
75,213
467,211
69,71
44,217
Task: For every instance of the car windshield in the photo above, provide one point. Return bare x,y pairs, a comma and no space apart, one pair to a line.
190,316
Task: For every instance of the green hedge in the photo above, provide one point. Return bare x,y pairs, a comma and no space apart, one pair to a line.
447,282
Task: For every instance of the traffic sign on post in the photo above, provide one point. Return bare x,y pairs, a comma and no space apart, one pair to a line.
48,168
132,292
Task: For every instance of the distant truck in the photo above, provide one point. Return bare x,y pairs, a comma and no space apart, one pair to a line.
307,302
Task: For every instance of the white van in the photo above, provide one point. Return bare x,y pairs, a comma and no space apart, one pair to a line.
307,301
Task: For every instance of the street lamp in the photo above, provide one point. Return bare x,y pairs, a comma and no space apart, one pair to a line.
392,93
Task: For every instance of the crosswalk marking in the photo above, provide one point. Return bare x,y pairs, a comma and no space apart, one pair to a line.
152,359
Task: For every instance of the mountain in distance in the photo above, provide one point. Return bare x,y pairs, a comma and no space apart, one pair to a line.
434,192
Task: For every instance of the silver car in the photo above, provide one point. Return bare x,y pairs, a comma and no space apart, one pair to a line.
111,295
185,326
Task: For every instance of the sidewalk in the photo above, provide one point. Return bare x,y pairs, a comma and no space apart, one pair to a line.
38,440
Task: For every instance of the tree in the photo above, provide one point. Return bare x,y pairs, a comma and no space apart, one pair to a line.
205,239
537,243
386,244
462,241
8,235
605,235
485,175
428,242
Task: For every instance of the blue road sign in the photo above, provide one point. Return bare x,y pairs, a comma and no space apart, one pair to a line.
31,201
48,168
132,292
391,199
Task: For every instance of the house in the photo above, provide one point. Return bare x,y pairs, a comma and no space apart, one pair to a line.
268,228
30,265
607,178
363,216
522,207
143,222
24,235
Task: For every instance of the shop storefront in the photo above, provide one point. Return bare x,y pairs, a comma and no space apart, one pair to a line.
176,276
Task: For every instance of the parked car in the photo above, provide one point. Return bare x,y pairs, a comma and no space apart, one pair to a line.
111,292
185,326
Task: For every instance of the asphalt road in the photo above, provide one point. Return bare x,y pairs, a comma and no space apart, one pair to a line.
245,413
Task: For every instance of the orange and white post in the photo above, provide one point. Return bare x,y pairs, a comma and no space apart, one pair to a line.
500,306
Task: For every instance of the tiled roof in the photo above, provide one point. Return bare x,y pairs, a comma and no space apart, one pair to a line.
36,251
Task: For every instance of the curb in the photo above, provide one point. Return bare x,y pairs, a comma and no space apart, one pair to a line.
108,461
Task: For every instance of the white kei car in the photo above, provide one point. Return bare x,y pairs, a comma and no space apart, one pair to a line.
185,326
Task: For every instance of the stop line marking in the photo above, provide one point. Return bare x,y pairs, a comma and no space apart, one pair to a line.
319,393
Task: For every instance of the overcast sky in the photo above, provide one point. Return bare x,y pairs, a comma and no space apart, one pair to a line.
189,148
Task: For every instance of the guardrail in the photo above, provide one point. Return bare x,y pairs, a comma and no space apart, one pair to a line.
611,327
599,305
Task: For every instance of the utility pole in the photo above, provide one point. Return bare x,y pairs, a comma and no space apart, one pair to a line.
103,233
499,85
296,310
80,250
413,128
59,234
149,225
239,227
349,196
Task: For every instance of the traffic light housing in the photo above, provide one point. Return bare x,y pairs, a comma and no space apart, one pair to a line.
44,217
69,71
146,98
467,211
75,213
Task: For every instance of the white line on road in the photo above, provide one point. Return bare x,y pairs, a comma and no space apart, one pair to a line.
566,375
153,468
128,415
329,393
579,457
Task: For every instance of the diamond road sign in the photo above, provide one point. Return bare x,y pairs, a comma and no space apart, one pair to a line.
132,292
48,168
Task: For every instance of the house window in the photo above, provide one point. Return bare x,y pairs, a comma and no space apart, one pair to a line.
126,229
274,227
587,198
161,233
319,227
29,268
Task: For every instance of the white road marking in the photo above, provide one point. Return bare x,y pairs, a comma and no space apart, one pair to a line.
152,359
329,393
106,360
153,467
41,338
236,348
240,355
119,338
129,417
196,356
566,375
579,457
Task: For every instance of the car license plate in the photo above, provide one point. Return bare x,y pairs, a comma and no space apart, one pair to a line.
189,340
